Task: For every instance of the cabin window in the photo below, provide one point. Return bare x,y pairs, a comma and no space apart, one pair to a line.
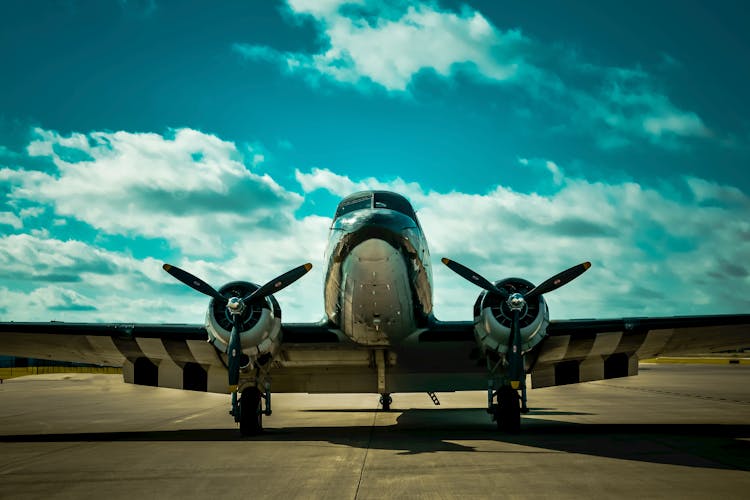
353,204
394,202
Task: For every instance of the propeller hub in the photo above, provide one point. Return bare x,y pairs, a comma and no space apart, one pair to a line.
516,302
236,306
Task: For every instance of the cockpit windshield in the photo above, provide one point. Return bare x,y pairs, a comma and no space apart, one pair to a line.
394,202
376,199
354,203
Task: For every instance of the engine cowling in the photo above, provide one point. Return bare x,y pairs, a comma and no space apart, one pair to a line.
260,331
492,318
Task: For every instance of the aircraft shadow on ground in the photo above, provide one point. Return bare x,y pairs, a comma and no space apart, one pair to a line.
534,411
428,431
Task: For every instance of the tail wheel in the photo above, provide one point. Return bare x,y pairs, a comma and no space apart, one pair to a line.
251,414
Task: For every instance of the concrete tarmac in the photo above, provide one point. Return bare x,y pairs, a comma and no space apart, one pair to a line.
674,431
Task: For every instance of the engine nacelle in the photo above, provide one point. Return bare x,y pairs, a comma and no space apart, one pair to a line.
493,317
260,331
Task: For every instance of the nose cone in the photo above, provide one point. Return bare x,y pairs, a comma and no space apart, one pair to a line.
376,298
374,250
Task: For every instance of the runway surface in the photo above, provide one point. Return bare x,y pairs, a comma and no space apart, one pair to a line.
674,431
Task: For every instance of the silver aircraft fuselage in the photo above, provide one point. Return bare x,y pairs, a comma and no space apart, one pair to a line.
378,288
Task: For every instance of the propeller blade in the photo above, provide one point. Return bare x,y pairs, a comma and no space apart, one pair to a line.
515,358
474,277
279,283
558,280
194,282
234,351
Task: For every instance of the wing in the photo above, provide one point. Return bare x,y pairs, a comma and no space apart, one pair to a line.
176,356
315,358
585,350
445,356
590,349
99,344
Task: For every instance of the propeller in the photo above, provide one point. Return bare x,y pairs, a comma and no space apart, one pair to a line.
474,277
237,306
194,282
515,368
278,283
516,302
234,350
558,280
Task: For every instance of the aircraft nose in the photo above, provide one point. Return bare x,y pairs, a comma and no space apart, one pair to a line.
387,226
374,250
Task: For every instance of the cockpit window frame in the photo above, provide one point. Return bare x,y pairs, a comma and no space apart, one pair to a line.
349,205
388,200
395,202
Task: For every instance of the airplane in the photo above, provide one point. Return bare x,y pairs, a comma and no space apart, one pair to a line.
379,334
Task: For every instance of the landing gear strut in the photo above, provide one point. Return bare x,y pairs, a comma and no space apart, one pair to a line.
386,400
524,408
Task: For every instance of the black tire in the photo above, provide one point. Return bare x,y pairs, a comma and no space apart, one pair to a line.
386,400
251,416
508,410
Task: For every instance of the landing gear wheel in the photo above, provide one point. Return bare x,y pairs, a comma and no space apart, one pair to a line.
251,416
508,410
385,401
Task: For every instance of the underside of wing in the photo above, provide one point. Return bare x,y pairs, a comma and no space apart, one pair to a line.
175,356
585,350
441,358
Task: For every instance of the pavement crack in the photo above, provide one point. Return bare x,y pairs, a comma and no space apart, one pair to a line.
367,451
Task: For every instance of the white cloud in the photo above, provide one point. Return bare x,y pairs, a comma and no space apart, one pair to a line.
325,179
57,298
557,173
341,185
630,104
31,212
679,249
675,122
375,43
10,219
77,281
320,8
193,189
403,40
708,191
50,279
653,252
30,257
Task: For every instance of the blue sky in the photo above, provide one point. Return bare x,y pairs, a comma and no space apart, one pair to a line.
219,136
